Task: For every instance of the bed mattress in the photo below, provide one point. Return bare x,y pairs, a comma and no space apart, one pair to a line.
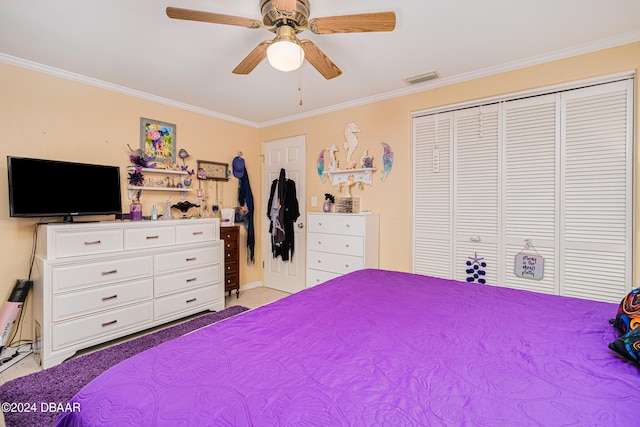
381,348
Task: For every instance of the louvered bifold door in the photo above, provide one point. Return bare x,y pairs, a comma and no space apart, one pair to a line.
597,182
531,181
475,193
432,248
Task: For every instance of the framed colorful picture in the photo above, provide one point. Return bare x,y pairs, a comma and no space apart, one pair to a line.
158,139
213,170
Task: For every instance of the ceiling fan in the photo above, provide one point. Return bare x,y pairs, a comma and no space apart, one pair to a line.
287,18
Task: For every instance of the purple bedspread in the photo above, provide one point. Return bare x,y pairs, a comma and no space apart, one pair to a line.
380,348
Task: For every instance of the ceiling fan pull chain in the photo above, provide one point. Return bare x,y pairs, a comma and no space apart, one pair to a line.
300,84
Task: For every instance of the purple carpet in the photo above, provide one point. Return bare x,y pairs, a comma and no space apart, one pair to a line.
60,383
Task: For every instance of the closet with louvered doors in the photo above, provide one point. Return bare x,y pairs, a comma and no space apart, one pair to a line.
554,170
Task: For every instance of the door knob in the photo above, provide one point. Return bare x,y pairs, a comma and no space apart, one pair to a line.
300,225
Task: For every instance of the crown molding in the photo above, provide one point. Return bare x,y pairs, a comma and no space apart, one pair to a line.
79,78
445,81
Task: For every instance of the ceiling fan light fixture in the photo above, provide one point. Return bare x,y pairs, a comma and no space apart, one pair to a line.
285,53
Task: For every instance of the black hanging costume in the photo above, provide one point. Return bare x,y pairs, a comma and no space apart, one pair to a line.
283,211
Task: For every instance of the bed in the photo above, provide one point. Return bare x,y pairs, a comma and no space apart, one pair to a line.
383,348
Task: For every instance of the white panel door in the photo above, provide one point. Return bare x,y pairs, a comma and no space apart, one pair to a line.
531,182
287,153
432,198
475,192
597,216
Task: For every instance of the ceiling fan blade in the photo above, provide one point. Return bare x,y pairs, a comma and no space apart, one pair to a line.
284,5
253,59
215,18
361,23
319,60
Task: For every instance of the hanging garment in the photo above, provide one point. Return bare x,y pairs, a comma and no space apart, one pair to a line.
245,198
283,211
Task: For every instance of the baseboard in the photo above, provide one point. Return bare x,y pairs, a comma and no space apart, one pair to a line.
250,285
10,351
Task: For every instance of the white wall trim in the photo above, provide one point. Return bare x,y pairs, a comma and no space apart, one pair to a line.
79,78
528,93
251,285
509,66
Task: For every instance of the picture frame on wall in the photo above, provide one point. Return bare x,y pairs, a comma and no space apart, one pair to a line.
214,171
158,139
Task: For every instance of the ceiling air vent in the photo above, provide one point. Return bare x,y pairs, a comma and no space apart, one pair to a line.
420,78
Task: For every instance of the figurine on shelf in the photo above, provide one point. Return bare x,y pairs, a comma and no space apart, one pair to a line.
366,161
184,207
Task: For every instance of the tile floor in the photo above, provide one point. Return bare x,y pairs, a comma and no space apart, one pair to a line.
249,298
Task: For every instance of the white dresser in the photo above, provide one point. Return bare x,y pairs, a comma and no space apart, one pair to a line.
94,282
340,243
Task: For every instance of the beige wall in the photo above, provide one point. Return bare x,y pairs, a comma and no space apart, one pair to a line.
390,121
49,117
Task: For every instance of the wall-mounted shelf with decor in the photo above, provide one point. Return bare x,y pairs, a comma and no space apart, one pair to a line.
363,175
169,173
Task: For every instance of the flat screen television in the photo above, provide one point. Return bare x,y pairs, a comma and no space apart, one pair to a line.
51,188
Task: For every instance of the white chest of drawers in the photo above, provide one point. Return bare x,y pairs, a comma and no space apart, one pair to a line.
94,282
340,243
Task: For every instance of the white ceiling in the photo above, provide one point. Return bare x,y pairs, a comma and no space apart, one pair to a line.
132,46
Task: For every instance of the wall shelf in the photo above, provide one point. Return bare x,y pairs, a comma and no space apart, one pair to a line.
134,189
362,175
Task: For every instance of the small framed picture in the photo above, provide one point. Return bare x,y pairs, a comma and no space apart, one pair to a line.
213,170
158,139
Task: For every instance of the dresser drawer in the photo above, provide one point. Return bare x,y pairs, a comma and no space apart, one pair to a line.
75,304
148,237
334,263
87,242
231,267
337,224
190,301
229,233
315,277
188,258
194,233
230,251
80,276
178,282
336,243
91,327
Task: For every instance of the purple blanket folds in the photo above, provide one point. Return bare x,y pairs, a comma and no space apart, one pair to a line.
380,348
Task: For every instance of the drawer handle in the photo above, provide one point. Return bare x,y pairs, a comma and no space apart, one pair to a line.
193,279
95,242
319,261
191,259
348,225
191,300
228,236
320,223
347,245
108,298
106,273
113,322
197,233
228,255
152,237
319,243
346,265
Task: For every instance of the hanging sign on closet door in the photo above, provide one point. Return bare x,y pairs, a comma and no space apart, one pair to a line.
529,266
